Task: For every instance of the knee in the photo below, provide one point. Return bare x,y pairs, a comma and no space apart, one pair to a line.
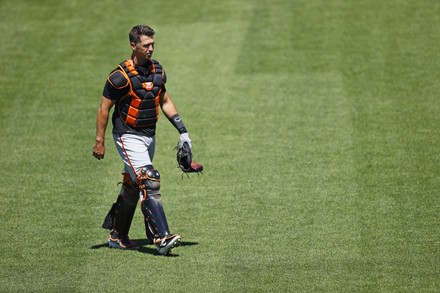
149,178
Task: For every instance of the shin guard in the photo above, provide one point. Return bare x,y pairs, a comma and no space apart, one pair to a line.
156,224
120,216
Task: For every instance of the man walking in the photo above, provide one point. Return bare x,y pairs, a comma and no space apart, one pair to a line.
137,90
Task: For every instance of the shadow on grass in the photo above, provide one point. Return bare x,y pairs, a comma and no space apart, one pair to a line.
146,247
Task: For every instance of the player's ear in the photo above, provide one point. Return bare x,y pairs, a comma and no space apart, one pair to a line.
133,45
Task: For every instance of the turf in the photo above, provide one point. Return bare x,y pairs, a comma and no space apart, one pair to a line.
317,123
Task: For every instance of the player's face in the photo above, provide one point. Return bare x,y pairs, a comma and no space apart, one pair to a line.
143,50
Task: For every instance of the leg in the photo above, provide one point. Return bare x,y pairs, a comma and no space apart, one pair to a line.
137,153
156,224
134,150
120,216
127,187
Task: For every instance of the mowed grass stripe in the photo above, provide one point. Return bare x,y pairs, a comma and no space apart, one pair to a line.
395,161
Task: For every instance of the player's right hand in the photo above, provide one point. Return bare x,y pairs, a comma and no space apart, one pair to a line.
99,150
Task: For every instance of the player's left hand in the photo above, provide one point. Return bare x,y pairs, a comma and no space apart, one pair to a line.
184,138
185,162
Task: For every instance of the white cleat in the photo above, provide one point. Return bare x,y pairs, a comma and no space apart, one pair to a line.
167,243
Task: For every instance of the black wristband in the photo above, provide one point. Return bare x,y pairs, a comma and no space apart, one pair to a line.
177,122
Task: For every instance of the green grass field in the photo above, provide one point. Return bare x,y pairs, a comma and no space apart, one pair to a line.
318,124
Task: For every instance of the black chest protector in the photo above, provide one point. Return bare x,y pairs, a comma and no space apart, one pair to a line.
140,107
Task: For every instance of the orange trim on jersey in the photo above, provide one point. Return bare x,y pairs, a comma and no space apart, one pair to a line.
126,155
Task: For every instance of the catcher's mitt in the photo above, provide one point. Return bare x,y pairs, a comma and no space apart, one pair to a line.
184,159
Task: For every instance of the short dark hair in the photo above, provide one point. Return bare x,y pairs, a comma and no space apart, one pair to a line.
138,31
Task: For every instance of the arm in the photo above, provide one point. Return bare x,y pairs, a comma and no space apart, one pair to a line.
101,126
167,105
169,109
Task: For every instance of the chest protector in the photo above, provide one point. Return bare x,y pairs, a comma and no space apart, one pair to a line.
140,107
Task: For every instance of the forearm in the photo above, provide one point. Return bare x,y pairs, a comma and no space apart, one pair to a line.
169,109
101,124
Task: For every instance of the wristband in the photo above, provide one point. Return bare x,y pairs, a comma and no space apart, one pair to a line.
177,122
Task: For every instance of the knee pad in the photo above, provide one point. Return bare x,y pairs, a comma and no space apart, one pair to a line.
149,178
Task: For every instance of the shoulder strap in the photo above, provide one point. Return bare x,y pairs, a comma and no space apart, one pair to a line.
128,68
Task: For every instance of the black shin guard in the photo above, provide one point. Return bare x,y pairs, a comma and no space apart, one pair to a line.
110,217
120,216
156,224
124,213
155,220
149,232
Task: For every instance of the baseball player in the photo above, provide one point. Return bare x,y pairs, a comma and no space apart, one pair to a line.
137,90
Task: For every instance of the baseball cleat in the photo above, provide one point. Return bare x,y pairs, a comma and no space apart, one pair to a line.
125,243
167,243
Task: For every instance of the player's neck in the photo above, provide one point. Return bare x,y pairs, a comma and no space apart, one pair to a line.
139,62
